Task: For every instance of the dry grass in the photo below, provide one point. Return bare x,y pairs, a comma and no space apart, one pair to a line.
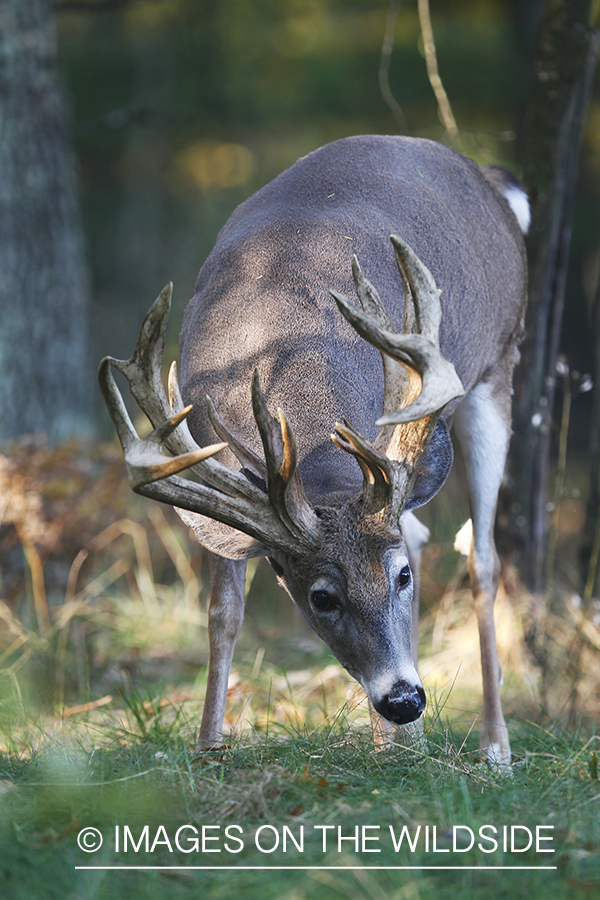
98,587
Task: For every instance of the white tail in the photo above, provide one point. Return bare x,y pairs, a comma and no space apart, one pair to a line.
333,531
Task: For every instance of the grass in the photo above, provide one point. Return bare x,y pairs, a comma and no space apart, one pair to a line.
101,685
147,774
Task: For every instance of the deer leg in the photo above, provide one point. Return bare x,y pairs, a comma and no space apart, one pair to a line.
225,616
482,426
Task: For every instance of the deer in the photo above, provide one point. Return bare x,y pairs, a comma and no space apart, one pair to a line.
271,325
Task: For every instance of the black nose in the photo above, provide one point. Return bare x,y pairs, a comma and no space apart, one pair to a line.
404,703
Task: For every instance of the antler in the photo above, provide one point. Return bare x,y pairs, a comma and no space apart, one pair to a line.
276,517
418,382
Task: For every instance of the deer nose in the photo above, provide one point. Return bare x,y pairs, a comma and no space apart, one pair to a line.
404,703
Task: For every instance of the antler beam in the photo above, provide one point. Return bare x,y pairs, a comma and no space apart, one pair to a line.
418,382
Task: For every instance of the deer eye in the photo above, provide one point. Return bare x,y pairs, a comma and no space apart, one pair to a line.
323,601
403,578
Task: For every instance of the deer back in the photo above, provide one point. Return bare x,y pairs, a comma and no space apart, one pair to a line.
262,297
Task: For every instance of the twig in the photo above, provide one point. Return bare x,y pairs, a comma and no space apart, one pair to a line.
444,109
87,707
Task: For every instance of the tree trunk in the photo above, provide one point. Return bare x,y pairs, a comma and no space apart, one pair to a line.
589,552
44,292
564,68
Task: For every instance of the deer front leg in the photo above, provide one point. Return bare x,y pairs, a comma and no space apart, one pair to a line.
482,425
225,616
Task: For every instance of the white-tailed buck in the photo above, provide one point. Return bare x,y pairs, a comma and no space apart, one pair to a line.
453,291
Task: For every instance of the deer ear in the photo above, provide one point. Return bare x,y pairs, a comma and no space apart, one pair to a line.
434,467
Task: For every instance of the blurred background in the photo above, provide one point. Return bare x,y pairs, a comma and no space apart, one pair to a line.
161,117
182,108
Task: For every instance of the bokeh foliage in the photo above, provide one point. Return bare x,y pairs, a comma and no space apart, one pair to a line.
184,107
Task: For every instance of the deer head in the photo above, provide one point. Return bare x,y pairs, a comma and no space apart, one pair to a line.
345,565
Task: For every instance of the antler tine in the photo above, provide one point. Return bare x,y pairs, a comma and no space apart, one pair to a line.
419,381
143,369
369,298
284,484
143,372
399,382
423,315
145,461
422,308
440,383
244,454
377,468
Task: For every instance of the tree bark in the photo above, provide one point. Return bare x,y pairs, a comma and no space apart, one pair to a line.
564,68
592,523
44,292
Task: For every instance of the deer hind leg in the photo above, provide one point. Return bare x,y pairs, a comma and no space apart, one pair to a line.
483,429
225,616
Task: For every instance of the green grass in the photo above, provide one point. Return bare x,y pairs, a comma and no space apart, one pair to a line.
148,774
